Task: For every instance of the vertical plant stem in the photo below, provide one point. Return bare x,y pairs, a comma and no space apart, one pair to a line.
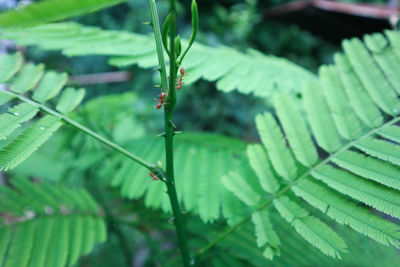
168,124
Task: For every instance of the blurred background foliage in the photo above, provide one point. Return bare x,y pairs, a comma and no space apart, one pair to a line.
79,161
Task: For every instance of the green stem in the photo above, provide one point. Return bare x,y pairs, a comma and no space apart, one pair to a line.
169,126
86,130
201,251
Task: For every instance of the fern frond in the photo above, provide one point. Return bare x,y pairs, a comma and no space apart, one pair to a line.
38,131
50,11
347,212
250,72
344,111
39,225
311,228
201,192
362,251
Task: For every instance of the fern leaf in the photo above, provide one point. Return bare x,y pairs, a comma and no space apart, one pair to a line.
19,85
28,77
273,140
386,58
359,99
371,76
370,168
26,143
296,131
382,198
237,185
344,117
10,64
381,149
391,133
250,72
49,86
349,179
46,230
261,166
310,228
5,97
346,212
201,192
17,115
320,119
70,99
51,10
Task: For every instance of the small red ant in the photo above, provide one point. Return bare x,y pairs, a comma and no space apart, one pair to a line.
160,101
155,178
180,82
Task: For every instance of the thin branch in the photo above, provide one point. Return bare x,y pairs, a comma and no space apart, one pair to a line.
86,130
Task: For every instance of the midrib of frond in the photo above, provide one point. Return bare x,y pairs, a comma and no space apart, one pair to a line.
327,160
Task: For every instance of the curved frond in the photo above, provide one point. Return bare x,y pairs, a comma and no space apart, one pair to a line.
250,72
50,11
46,225
17,146
360,170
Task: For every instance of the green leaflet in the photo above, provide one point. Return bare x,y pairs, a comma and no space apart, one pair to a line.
344,117
359,99
70,99
370,168
261,166
49,86
381,149
9,65
27,78
264,230
238,185
391,133
320,118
